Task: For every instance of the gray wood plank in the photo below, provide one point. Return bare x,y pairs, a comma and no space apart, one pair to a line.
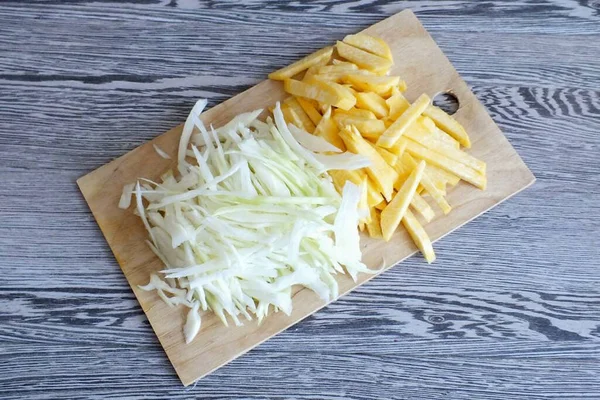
511,309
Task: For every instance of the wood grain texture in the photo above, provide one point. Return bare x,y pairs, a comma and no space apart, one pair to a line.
510,310
427,71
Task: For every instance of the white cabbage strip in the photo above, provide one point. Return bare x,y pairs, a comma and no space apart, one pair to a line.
249,214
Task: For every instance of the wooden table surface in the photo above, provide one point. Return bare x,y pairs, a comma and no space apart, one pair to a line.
511,309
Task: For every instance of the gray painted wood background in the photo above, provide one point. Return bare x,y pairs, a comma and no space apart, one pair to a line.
511,309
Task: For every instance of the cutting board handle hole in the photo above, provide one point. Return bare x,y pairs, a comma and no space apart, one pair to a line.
447,101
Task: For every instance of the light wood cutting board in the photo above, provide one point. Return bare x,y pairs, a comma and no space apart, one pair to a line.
424,67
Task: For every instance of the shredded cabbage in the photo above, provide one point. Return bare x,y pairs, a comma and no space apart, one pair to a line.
161,152
125,200
249,215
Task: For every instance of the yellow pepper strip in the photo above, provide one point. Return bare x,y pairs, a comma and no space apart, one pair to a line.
294,105
448,124
302,64
372,102
392,215
363,58
382,174
371,44
422,207
419,236
374,227
454,167
328,130
428,184
397,129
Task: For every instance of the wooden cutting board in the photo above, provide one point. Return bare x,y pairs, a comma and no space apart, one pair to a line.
424,67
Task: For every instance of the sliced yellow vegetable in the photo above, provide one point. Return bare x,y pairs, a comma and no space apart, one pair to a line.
387,155
426,128
295,106
424,131
374,195
403,173
454,167
347,99
398,148
414,149
374,227
436,194
371,44
335,61
363,203
347,91
297,120
421,128
372,102
340,176
397,129
401,87
422,207
302,64
442,136
381,173
444,175
363,58
319,91
359,113
328,130
337,73
438,179
449,151
419,236
323,107
372,83
290,116
337,77
366,126
349,88
448,124
397,104
428,124
428,185
310,91
339,67
312,71
356,176
310,109
392,215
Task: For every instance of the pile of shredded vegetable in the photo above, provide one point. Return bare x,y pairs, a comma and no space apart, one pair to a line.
249,213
